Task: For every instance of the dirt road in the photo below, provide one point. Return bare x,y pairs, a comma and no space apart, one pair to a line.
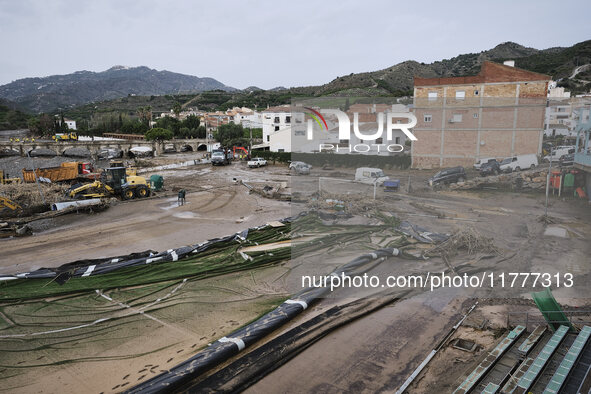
215,206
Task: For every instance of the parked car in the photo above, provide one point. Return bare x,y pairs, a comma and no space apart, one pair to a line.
491,168
370,176
567,160
518,163
257,162
480,162
448,175
300,168
295,163
219,159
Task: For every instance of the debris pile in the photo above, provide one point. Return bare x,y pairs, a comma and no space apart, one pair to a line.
530,179
468,240
33,198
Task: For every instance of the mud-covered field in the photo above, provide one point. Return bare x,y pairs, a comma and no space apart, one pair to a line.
374,353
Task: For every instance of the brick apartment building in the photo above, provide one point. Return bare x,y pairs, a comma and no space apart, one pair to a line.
497,113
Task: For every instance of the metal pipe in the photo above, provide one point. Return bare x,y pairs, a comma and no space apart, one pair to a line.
58,206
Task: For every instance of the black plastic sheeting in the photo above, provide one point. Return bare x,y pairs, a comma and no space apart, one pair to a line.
224,348
421,234
105,265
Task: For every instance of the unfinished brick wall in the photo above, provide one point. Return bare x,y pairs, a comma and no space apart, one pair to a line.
502,114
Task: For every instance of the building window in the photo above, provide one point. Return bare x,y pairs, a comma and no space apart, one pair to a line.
280,150
427,118
476,93
457,118
276,119
460,94
432,96
288,119
268,138
475,115
397,140
276,128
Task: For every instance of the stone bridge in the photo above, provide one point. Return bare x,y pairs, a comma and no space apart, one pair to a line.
94,147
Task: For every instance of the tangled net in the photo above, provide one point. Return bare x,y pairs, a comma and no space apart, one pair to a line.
468,240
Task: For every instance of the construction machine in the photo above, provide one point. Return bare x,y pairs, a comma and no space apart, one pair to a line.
65,137
6,203
119,163
113,182
242,152
67,171
6,179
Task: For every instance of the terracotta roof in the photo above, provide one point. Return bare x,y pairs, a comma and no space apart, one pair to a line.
489,72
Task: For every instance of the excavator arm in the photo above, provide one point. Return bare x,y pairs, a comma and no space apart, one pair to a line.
6,203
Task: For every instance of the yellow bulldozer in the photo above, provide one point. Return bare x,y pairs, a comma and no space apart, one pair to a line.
113,182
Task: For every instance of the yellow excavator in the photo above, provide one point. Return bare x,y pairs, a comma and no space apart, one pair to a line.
7,203
113,182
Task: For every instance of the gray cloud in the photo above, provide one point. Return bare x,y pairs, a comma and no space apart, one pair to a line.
268,43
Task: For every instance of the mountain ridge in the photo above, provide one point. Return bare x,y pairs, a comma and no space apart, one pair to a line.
42,94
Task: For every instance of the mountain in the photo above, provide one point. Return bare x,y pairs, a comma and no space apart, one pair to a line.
398,79
66,91
11,116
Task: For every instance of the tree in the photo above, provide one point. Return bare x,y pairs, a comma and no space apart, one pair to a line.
63,125
231,134
191,122
170,123
158,134
176,108
45,124
145,114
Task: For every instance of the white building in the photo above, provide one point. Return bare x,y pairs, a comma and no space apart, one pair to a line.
275,119
555,92
248,118
280,141
563,115
70,123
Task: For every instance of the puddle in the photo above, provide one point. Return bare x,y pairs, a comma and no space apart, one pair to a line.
186,215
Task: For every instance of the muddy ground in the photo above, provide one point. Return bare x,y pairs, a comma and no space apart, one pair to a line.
375,353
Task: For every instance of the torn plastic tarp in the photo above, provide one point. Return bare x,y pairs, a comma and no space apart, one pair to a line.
84,268
229,346
421,234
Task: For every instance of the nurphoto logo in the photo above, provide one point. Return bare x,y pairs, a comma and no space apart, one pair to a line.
344,130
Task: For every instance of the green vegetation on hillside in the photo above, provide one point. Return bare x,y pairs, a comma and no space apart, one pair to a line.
11,119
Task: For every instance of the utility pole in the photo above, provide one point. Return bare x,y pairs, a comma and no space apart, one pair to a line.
548,181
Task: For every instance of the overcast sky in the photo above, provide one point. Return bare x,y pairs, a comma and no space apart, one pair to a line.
269,43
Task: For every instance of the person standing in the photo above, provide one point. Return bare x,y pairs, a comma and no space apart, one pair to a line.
181,198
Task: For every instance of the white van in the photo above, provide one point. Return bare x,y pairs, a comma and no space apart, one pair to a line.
370,175
485,160
558,153
518,163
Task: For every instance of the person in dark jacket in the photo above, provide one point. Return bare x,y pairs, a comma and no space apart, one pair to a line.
181,200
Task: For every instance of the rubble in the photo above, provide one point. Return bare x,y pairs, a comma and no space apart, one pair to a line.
529,179
469,240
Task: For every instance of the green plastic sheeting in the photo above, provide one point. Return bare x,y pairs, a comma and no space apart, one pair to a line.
550,309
